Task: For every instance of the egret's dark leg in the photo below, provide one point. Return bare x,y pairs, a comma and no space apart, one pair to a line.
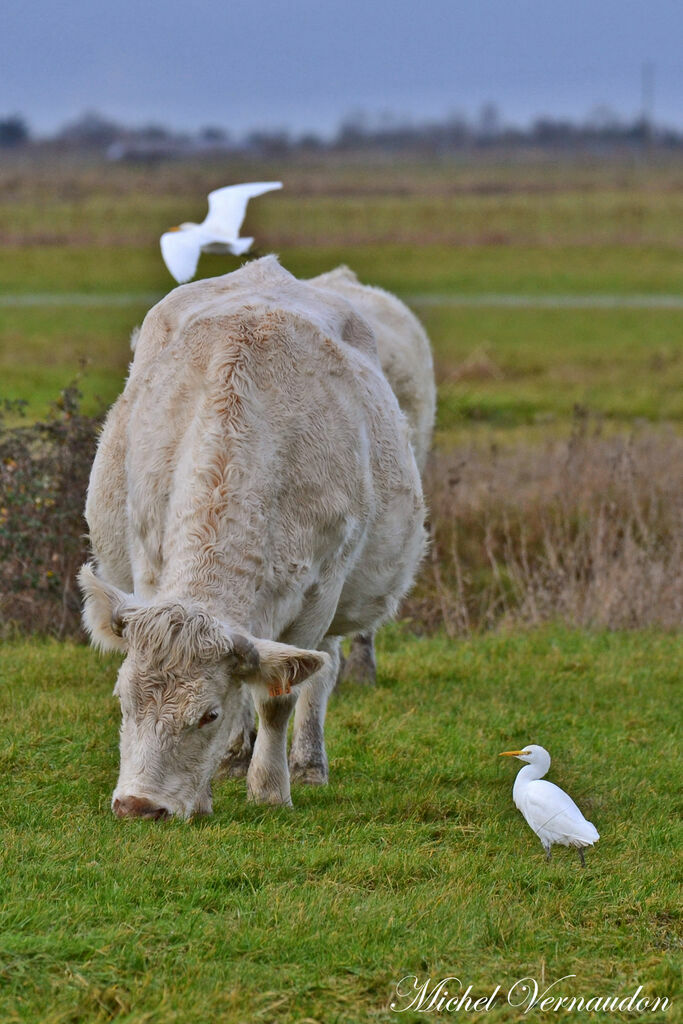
581,857
547,853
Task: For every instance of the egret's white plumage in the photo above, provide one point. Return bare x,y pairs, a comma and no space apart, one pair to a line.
548,810
218,232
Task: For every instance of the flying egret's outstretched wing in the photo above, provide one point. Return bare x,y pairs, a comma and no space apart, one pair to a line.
180,250
550,809
228,206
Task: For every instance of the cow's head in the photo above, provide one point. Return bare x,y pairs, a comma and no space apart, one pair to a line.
181,693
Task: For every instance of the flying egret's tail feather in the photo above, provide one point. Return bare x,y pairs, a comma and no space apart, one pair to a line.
240,246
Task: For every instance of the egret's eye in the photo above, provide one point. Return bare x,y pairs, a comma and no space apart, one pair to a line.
207,718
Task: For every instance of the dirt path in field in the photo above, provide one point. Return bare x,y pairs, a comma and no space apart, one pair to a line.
32,300
551,301
501,300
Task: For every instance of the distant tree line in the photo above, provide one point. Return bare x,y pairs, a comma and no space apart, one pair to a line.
386,133
13,131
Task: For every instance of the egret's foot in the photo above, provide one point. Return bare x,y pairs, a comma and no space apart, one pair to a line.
581,857
360,666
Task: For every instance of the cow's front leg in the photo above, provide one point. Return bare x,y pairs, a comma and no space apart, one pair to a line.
237,757
268,775
307,758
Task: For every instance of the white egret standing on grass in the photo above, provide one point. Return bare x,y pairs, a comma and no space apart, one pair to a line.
218,232
548,810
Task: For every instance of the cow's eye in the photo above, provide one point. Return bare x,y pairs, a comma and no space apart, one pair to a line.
207,718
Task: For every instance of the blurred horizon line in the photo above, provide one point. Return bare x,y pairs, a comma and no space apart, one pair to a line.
602,124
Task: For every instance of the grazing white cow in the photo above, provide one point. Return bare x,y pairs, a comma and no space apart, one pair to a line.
254,498
406,358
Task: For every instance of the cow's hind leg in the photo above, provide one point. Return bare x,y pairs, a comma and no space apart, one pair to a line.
307,758
360,666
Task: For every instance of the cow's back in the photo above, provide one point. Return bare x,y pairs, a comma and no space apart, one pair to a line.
403,348
257,457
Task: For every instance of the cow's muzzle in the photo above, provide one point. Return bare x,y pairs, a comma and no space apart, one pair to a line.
138,807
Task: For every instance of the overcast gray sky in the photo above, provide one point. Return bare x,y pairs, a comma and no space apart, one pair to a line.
305,64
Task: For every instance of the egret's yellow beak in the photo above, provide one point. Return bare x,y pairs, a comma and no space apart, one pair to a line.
513,753
176,228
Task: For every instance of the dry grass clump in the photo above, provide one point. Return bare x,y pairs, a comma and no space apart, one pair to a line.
588,531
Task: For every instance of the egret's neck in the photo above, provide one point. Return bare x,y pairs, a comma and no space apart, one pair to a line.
528,774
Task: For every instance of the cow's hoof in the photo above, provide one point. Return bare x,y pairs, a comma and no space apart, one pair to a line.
359,668
268,786
309,774
235,764
232,767
268,796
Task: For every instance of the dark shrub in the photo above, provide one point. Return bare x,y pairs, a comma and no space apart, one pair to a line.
44,470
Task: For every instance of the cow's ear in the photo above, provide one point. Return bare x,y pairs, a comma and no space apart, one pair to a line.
277,666
105,610
240,655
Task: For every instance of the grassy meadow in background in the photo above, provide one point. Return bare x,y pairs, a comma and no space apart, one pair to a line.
446,230
556,491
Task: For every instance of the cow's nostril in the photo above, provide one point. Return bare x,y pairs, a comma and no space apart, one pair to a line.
138,807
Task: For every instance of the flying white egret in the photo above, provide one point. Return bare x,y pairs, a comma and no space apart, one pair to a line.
218,232
548,810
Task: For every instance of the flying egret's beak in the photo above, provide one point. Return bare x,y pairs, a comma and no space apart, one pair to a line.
513,753
176,228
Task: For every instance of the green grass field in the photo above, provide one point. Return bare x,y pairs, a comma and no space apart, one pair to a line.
436,231
413,861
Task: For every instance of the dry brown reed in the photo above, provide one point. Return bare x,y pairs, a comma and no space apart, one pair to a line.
587,531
